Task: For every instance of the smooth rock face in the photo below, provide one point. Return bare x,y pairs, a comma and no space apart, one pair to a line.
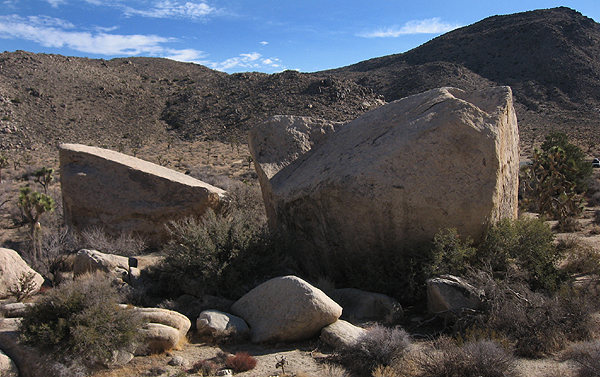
220,324
28,360
398,174
121,193
280,140
341,334
12,267
286,309
7,367
366,306
451,294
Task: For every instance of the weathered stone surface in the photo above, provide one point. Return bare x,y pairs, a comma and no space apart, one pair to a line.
15,309
341,334
220,324
397,174
12,267
90,261
164,329
121,193
7,366
451,294
286,309
280,140
366,306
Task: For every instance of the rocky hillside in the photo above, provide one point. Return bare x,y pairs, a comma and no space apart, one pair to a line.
549,58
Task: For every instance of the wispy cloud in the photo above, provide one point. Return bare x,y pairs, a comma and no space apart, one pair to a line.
173,9
53,32
195,10
427,26
264,43
56,3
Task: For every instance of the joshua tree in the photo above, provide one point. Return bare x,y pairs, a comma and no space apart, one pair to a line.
3,164
33,205
44,177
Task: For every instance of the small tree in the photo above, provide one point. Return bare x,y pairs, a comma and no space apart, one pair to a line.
33,205
44,177
554,182
3,164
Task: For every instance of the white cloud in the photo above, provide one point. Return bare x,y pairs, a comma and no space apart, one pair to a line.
159,8
252,60
427,26
185,55
264,43
56,3
52,32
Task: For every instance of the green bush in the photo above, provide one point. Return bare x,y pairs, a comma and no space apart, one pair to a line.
527,244
450,255
80,321
581,169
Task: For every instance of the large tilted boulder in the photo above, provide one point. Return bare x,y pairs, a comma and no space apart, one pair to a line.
121,193
450,295
286,309
13,268
396,175
219,324
280,140
91,261
341,334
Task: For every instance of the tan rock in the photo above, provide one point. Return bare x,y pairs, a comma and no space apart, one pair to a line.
397,174
157,338
220,324
90,261
280,140
29,361
366,306
7,366
341,334
121,193
451,294
13,267
286,309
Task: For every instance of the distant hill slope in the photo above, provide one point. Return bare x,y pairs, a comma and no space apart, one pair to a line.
551,59
47,99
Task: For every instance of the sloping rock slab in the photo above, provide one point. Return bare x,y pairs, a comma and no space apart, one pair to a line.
220,324
451,294
286,309
121,193
90,261
366,306
13,267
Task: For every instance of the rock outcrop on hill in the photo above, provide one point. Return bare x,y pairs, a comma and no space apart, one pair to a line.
398,174
121,193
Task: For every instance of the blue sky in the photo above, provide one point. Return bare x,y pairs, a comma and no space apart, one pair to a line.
246,35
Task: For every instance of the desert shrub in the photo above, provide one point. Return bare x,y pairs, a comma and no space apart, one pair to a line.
80,320
474,359
204,368
3,164
587,356
379,346
580,258
575,156
526,243
241,362
24,287
450,255
537,324
125,243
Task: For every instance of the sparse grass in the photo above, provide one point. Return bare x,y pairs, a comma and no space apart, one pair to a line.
125,244
473,359
587,356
